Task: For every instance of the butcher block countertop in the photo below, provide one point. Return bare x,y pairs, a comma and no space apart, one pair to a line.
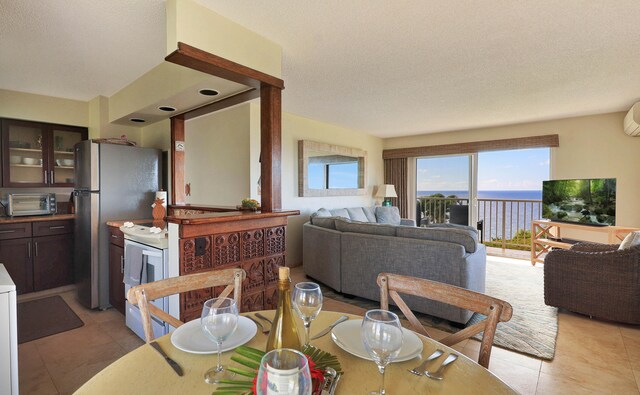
217,217
35,218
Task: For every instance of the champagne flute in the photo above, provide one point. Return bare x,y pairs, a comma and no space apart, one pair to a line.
381,334
284,371
219,320
307,302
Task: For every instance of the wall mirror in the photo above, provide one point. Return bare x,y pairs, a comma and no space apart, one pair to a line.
330,170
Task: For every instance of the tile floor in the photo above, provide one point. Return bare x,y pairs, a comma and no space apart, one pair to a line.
592,357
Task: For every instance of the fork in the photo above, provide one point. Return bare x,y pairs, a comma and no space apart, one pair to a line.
264,330
420,369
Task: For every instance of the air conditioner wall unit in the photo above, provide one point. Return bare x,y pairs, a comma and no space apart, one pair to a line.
632,121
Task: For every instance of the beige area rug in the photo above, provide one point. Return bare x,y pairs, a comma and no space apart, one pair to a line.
534,326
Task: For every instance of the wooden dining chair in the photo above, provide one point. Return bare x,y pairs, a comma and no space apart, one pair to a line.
495,310
142,295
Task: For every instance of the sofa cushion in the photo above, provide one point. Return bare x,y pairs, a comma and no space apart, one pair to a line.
370,212
388,215
357,214
632,240
468,239
365,227
340,212
326,222
323,212
451,226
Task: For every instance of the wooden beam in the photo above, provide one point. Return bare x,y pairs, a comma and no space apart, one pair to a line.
229,101
270,146
550,140
209,63
178,195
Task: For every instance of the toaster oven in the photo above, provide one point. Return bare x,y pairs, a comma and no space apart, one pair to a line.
31,204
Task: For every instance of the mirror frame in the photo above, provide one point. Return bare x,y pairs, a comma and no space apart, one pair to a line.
307,146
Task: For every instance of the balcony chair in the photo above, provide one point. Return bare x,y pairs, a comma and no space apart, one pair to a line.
599,280
141,295
495,310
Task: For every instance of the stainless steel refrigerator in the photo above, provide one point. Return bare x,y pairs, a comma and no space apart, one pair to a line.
113,182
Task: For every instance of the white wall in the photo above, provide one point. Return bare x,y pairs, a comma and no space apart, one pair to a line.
217,157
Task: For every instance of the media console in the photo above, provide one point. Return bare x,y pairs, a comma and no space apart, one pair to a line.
546,235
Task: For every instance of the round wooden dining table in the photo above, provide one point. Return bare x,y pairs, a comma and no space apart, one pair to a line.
144,371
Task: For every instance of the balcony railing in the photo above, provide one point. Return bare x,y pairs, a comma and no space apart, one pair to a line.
507,222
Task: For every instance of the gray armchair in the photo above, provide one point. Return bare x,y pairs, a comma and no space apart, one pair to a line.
595,279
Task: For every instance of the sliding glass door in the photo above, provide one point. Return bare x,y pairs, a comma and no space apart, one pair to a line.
444,187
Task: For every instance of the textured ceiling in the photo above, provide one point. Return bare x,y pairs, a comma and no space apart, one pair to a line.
79,49
386,67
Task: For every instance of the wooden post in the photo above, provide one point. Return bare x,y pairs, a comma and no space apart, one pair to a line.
178,195
271,146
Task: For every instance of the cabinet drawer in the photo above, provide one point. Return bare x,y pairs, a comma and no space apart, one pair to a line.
15,231
50,228
116,236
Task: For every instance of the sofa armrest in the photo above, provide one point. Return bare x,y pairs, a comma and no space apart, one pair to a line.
407,222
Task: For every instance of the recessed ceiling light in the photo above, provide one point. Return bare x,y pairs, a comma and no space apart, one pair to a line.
166,108
139,120
208,92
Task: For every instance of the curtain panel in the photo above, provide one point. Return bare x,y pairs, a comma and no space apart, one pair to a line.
395,172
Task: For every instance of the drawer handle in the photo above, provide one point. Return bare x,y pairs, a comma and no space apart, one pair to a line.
36,247
56,227
7,231
122,265
115,236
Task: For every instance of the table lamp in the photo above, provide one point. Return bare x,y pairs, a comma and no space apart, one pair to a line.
386,191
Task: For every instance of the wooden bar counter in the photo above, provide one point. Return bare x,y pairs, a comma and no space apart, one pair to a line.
212,238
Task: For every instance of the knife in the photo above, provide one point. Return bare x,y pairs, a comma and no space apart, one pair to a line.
174,365
328,329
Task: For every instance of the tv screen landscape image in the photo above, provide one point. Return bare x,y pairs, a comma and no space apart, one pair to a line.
588,202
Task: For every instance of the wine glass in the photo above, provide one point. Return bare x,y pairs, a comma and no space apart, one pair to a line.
284,371
307,302
381,334
219,320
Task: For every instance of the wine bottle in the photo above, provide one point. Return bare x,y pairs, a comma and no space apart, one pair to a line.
284,331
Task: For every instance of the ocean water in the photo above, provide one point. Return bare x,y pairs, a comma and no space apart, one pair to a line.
517,215
515,195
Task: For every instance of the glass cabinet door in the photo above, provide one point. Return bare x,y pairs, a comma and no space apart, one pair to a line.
63,141
26,154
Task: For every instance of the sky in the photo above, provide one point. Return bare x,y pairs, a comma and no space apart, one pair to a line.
512,170
342,175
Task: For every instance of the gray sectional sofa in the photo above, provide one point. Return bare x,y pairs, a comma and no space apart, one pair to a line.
346,249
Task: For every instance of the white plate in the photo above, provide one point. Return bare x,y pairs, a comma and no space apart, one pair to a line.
347,336
190,337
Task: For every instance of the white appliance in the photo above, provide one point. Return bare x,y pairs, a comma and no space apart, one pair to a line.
153,262
632,121
8,335
112,181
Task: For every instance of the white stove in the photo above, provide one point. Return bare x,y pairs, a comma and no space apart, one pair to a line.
142,233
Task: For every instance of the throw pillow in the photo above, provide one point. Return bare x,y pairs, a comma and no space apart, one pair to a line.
323,212
357,214
632,240
370,212
340,212
365,227
388,215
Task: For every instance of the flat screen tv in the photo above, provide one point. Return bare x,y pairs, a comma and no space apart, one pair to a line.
589,201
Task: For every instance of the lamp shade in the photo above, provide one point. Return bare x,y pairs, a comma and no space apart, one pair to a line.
386,190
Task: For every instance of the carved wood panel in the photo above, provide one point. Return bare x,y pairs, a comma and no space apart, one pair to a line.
271,269
226,249
191,303
252,244
253,302
190,263
255,276
275,240
271,298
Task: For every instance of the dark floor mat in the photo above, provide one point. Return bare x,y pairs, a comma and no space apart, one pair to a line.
45,317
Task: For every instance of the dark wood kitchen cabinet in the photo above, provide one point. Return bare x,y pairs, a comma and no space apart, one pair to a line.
116,269
38,154
16,256
38,255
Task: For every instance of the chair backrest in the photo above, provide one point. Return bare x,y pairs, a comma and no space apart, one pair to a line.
142,295
495,310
